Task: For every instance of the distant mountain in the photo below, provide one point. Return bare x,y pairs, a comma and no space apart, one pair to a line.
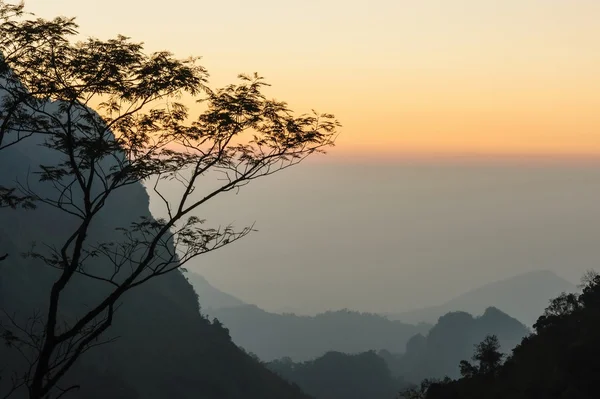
524,297
210,297
272,336
452,339
341,376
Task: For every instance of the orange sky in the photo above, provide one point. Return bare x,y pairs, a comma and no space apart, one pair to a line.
403,76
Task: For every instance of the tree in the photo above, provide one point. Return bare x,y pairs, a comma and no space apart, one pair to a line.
556,361
140,131
488,354
8,113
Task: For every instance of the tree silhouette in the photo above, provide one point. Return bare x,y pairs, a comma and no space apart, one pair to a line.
8,113
488,354
140,131
558,360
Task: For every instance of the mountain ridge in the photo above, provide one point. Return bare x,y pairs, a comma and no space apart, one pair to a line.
523,296
210,297
272,336
451,340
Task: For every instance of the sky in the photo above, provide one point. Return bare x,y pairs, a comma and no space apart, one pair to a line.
388,238
404,77
456,83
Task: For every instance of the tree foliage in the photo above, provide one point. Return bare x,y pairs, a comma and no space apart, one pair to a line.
489,358
140,130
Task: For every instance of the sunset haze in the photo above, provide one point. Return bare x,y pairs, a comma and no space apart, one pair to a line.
404,77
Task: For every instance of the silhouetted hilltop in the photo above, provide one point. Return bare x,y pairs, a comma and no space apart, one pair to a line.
558,361
210,297
341,376
451,340
165,348
273,336
524,297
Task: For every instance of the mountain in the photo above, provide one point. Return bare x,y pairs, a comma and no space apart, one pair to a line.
558,361
272,336
163,347
382,375
210,297
438,353
524,297
341,376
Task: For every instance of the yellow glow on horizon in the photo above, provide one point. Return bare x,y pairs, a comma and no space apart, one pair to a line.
403,76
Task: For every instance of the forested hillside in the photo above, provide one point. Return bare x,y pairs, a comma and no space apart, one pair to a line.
382,374
437,353
558,361
338,375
